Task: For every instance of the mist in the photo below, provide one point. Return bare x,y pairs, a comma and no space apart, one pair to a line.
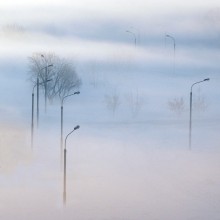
129,162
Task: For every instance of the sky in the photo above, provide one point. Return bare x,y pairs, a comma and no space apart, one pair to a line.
95,25
130,164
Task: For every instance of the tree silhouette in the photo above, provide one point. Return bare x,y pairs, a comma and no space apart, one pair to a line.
61,73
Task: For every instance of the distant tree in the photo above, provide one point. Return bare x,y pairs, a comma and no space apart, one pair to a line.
113,101
177,106
13,30
64,81
61,73
135,102
199,102
94,75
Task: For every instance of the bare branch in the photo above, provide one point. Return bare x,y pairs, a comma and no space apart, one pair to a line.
64,78
177,106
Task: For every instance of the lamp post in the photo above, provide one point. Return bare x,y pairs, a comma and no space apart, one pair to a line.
64,172
135,39
32,112
61,133
190,114
32,117
46,69
174,49
38,92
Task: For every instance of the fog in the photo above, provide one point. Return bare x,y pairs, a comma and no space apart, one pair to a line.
133,163
116,172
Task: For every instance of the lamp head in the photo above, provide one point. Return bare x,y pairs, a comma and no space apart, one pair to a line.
207,79
77,127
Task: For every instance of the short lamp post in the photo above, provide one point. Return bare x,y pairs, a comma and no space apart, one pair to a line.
174,49
38,91
190,114
135,38
46,75
61,135
32,112
64,167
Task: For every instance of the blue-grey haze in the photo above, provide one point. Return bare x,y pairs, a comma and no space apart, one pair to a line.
133,163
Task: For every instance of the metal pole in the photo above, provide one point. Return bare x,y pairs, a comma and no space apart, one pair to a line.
190,116
64,178
61,122
32,121
190,121
135,40
64,167
46,80
174,50
61,137
174,56
32,112
37,101
46,91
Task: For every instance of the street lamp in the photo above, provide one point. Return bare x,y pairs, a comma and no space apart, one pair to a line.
64,173
61,136
32,112
38,91
174,49
135,39
190,115
46,69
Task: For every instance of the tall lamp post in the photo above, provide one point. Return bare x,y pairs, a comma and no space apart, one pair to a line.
32,116
174,49
135,39
38,92
32,111
190,114
64,172
46,69
61,135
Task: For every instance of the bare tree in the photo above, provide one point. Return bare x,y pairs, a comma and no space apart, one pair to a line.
13,30
61,73
112,101
177,105
94,75
40,71
135,102
65,80
199,103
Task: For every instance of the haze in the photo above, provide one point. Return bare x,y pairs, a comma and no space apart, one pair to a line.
132,162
